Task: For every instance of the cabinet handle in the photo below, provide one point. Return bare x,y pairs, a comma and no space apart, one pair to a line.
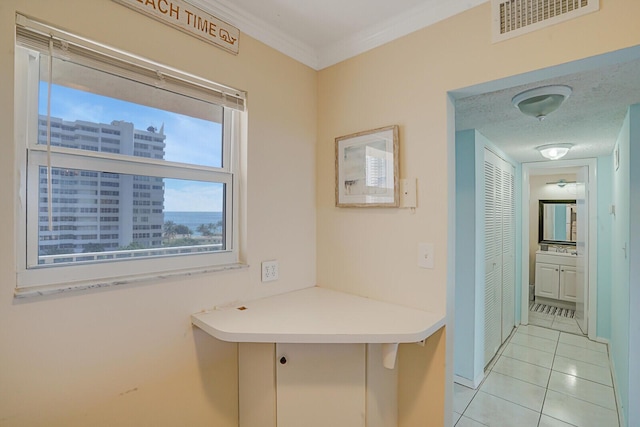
283,360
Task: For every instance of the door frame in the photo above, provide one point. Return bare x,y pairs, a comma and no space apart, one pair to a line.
529,169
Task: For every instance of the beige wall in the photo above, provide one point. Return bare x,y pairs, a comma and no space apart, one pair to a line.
128,356
372,252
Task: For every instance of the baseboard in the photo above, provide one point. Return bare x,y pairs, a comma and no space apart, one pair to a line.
614,376
467,382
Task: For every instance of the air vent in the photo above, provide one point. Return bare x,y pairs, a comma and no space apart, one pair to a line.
512,18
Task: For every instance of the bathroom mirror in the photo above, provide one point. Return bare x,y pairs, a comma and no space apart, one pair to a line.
557,222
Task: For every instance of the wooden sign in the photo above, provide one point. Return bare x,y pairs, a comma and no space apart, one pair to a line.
190,19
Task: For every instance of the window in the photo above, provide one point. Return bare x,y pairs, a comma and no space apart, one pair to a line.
127,166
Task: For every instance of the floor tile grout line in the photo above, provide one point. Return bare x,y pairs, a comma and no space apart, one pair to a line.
500,354
584,361
581,378
533,348
505,400
546,390
567,394
585,348
542,338
551,318
557,419
516,403
582,400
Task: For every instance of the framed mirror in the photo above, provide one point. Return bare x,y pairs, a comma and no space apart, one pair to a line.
557,222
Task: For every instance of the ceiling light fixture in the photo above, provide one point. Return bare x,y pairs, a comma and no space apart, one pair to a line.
541,101
561,183
554,151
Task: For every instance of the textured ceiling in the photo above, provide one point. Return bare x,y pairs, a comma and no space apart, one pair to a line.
590,119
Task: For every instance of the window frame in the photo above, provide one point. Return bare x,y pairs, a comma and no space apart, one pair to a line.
31,156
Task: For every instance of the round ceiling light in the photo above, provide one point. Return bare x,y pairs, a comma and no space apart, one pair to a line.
554,151
541,101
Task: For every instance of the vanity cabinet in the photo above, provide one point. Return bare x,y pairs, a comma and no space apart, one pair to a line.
556,276
567,291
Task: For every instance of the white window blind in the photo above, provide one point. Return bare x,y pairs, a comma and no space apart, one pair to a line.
68,47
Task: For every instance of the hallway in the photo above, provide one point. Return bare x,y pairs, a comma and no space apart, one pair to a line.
541,378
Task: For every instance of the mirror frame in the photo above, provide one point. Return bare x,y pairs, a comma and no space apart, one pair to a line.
541,204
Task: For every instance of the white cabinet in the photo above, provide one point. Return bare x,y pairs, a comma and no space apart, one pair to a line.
567,283
547,280
556,276
313,377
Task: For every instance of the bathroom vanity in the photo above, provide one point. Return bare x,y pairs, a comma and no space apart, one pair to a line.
556,276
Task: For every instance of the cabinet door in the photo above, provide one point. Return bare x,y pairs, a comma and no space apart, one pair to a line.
320,385
547,280
567,283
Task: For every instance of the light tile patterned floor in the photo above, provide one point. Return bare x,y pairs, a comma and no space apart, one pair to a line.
559,323
541,378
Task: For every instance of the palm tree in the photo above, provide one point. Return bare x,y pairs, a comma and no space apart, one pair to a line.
204,229
170,229
183,230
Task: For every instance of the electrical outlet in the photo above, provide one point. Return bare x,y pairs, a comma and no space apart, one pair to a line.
269,271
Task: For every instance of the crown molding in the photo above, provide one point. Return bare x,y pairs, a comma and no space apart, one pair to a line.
426,14
260,30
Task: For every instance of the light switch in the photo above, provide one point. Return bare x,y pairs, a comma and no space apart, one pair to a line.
425,255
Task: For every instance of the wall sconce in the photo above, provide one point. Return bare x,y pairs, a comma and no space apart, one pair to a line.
561,183
541,101
554,151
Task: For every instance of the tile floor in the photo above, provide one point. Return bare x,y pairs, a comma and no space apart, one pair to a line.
559,323
541,378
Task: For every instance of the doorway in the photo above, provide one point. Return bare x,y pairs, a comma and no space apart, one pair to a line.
578,311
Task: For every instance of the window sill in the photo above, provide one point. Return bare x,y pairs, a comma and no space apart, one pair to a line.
62,288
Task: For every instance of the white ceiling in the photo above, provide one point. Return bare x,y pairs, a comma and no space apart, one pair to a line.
322,33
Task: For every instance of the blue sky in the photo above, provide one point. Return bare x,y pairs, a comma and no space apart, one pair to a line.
188,139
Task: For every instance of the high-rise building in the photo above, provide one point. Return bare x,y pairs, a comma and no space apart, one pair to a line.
93,210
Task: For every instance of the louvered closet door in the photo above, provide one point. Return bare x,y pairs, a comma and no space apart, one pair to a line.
493,256
508,250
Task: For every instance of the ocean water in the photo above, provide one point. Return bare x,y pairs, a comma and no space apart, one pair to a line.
193,219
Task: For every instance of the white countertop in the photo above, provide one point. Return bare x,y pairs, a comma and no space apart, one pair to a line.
318,315
554,253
